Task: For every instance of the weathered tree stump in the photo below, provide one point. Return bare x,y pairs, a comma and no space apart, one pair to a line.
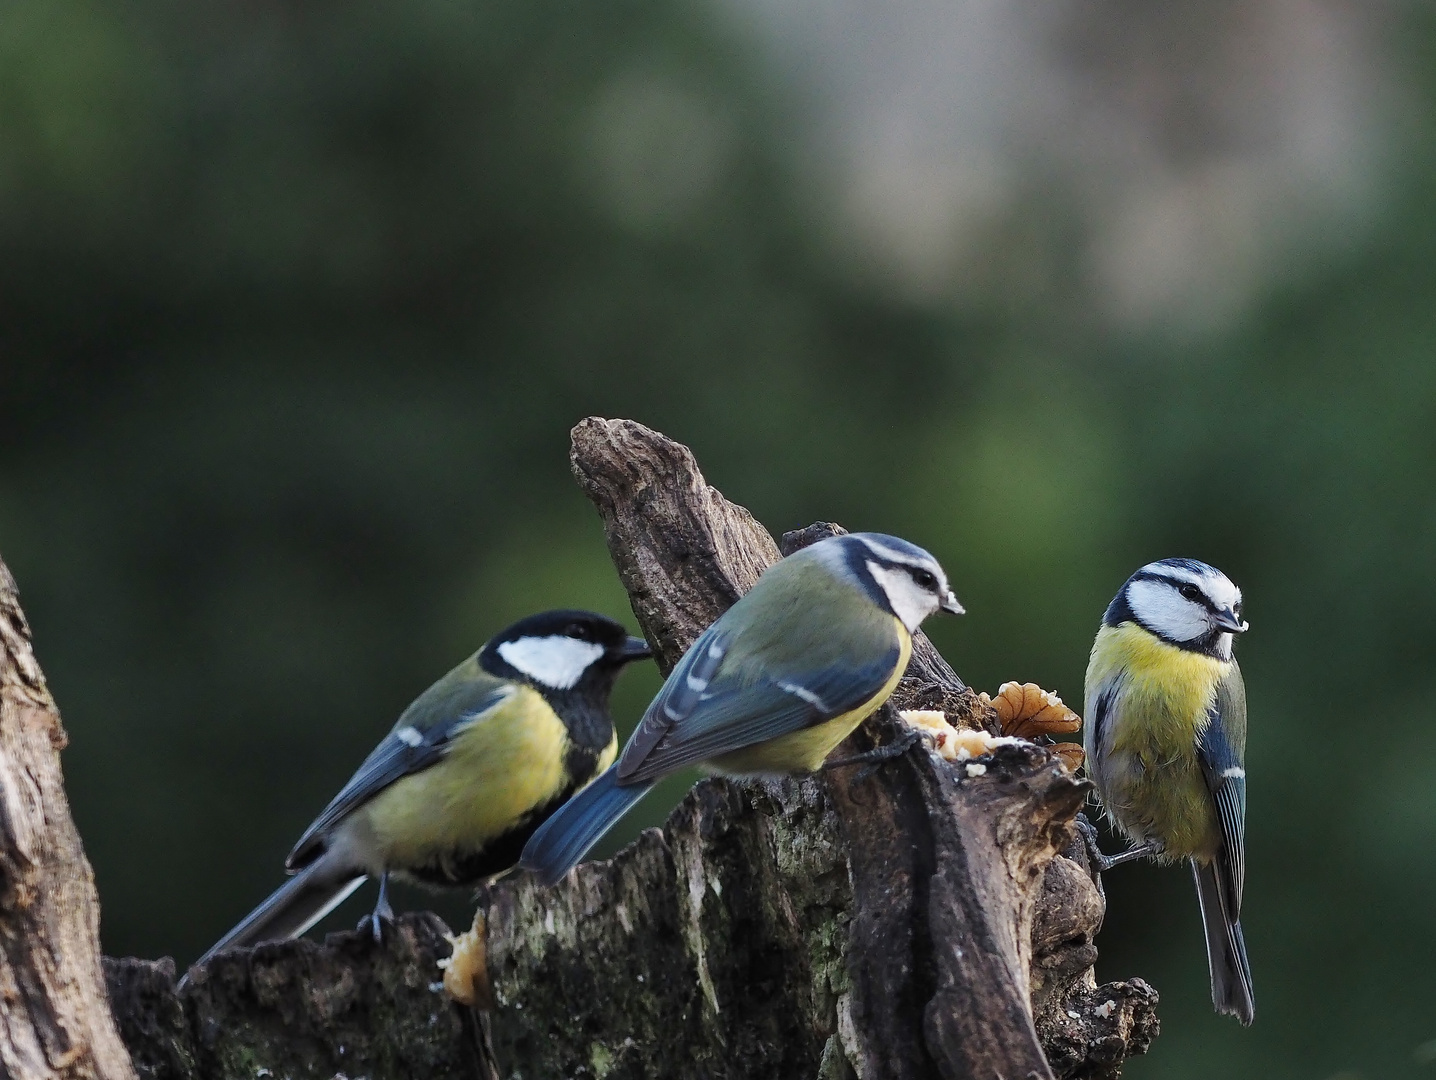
912,920
923,918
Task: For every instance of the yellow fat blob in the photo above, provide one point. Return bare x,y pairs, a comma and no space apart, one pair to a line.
805,750
510,760
1154,786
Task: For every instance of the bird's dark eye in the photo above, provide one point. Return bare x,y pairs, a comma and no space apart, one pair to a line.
925,579
1191,592
577,630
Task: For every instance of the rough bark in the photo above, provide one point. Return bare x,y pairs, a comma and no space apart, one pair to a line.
297,1009
54,1021
916,919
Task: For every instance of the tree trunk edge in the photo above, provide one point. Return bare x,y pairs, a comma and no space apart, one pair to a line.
57,1019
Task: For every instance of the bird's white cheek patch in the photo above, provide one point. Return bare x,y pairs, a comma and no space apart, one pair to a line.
910,604
1166,612
557,662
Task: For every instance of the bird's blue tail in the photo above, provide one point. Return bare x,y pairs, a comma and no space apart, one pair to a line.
1226,948
578,824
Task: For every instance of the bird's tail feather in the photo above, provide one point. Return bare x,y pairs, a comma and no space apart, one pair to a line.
578,824
1226,949
291,909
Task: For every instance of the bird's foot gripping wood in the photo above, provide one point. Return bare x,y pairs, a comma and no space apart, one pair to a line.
381,920
1101,863
1148,850
904,742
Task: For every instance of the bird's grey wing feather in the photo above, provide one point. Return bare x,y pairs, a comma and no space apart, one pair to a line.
404,751
677,697
707,709
1222,752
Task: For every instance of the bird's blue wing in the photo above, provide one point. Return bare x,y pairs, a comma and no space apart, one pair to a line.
679,695
408,749
1222,751
711,706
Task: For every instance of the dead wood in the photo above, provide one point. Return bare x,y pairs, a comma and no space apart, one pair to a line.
54,1021
920,919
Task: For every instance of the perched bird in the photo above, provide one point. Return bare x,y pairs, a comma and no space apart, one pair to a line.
470,769
773,686
1165,740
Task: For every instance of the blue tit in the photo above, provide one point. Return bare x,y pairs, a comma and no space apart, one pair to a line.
773,686
1166,739
468,772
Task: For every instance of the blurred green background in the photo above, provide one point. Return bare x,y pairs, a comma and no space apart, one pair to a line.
298,304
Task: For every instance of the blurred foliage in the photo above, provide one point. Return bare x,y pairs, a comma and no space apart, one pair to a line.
297,305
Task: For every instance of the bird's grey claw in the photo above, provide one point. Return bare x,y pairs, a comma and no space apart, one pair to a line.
1088,833
1094,856
878,754
1146,849
383,914
375,924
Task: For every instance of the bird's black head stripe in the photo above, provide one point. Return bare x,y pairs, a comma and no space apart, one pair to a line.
857,556
1175,582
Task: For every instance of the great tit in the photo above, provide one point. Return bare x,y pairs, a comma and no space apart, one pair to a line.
468,772
1166,738
773,686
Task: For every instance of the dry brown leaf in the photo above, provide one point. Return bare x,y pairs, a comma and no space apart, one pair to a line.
1071,753
1026,711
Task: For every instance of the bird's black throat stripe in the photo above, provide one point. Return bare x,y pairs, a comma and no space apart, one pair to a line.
585,714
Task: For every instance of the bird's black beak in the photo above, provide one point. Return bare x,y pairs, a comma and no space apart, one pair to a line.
635,648
1228,622
950,605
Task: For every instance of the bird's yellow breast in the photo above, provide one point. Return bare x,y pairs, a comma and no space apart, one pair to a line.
1149,774
507,763
1172,689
